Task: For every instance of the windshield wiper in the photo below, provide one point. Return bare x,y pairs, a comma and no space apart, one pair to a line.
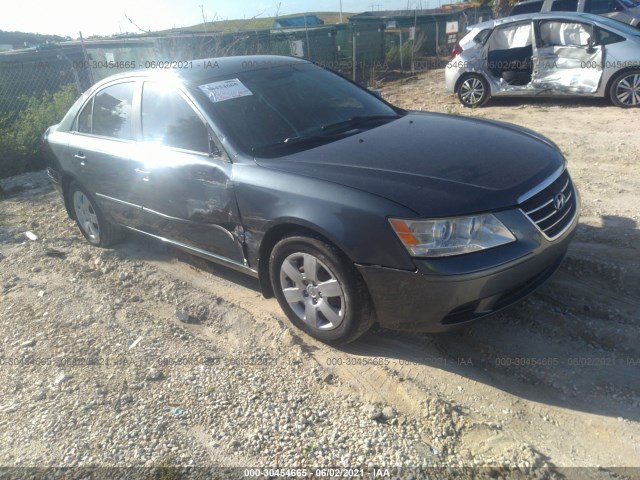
303,140
358,120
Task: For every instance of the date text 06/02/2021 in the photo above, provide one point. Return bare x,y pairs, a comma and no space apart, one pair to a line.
317,472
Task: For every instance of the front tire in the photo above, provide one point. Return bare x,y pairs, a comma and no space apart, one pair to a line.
319,289
473,91
90,220
624,91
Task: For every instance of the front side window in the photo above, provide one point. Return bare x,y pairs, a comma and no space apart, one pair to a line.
112,111
168,119
564,34
565,6
605,37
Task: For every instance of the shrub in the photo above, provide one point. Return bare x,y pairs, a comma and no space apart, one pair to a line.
392,55
20,134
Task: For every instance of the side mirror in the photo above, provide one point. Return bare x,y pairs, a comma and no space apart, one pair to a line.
590,44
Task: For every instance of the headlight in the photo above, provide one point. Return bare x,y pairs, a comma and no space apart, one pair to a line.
443,237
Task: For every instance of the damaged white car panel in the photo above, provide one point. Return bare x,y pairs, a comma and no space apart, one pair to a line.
547,54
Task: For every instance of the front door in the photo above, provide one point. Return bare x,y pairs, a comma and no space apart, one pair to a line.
566,59
191,198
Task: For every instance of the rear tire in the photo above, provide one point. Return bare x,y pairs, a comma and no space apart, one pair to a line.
624,90
473,91
319,289
90,220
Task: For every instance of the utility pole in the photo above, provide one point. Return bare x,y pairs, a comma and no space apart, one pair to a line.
340,11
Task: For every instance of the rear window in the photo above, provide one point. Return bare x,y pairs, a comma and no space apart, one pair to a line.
564,6
482,36
529,7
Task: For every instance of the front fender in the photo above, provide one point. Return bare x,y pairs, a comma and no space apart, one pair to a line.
353,220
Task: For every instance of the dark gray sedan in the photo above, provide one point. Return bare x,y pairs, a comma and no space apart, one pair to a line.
348,209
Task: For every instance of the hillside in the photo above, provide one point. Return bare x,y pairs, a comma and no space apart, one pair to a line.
18,39
257,23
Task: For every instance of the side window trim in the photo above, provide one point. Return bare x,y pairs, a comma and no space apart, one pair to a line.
76,120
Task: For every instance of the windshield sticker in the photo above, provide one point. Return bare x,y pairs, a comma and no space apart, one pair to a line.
225,90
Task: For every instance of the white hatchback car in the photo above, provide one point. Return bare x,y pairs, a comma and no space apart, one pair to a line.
547,54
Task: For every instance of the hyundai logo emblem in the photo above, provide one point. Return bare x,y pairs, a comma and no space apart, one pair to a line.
559,201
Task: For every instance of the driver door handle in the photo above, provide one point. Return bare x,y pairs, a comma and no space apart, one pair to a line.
82,157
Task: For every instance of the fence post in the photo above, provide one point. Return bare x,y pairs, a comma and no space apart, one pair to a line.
306,32
86,60
401,59
437,49
75,74
354,54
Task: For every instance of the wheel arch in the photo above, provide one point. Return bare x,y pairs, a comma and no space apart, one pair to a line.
614,77
279,231
66,182
466,75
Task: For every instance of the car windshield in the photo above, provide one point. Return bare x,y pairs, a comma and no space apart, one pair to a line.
274,111
630,3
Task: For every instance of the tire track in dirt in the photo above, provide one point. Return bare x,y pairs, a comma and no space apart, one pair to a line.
407,371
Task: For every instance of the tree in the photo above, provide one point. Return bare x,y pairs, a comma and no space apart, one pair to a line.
501,8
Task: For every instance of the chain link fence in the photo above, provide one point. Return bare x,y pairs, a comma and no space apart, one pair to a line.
35,91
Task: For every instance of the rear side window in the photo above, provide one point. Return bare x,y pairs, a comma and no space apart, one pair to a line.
601,6
112,111
482,36
168,119
512,36
564,6
529,7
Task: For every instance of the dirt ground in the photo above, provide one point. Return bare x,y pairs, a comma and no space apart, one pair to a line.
550,384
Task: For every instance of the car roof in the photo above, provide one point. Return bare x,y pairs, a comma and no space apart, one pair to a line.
577,16
203,70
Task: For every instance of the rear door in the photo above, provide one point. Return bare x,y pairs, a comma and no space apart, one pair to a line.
191,198
565,60
101,148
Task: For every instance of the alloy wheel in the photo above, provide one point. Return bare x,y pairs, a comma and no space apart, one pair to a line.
472,91
628,90
312,291
86,216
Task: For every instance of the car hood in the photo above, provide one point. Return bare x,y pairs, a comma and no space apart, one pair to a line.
434,164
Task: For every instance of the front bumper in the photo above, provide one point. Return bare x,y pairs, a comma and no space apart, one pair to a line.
440,295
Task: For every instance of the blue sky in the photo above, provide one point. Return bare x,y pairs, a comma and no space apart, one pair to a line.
100,17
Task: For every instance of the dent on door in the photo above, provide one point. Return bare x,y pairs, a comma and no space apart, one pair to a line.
566,60
192,202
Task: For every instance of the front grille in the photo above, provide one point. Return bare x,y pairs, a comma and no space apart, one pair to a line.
543,208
